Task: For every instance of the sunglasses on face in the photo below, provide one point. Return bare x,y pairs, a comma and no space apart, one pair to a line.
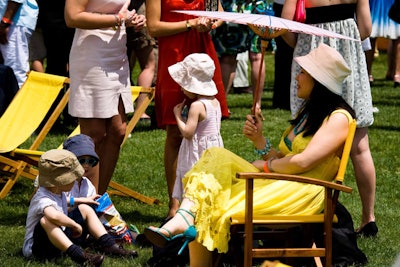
89,161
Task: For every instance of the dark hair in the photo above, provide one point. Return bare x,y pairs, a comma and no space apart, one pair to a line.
322,103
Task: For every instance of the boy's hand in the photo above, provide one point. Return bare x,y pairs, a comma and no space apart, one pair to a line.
76,230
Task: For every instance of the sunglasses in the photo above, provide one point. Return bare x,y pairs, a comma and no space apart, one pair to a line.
89,161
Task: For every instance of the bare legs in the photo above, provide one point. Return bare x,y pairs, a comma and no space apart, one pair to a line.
255,61
108,135
58,238
171,150
369,55
147,62
365,174
228,69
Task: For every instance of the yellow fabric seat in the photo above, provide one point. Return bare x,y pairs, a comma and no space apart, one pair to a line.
21,119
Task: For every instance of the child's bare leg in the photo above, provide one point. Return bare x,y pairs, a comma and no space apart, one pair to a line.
94,225
55,234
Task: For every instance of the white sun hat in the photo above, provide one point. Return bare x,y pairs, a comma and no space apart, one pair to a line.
194,74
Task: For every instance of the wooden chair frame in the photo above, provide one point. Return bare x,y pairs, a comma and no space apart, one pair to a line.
332,190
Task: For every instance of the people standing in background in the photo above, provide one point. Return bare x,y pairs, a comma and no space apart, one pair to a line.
18,21
178,35
340,15
100,77
383,26
283,65
37,49
232,39
141,46
57,36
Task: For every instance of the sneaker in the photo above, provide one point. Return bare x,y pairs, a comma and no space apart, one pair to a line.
93,260
119,251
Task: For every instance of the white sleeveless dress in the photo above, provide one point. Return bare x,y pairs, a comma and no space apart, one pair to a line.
99,68
207,135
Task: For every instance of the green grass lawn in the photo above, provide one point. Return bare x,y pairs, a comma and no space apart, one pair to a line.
140,168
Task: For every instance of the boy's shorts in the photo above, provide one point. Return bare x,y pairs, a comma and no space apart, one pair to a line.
42,247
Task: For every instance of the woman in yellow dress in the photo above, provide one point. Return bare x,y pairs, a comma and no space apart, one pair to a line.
310,146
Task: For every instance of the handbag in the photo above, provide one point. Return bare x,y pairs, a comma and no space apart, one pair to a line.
394,11
300,13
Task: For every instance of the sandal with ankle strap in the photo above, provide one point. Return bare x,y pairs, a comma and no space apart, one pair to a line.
160,240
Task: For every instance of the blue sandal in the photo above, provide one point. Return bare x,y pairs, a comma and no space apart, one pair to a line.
160,240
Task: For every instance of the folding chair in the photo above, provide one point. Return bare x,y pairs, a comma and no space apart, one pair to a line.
279,223
21,119
33,156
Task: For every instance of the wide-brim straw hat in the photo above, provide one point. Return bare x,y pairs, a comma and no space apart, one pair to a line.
58,167
326,65
195,74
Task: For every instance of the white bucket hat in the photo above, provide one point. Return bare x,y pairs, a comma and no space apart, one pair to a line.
195,74
327,66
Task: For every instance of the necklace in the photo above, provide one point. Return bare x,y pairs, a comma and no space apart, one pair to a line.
298,130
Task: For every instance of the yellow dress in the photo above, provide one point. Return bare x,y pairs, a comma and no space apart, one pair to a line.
217,194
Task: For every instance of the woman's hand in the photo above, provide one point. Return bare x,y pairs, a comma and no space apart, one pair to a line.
138,22
125,13
252,128
204,24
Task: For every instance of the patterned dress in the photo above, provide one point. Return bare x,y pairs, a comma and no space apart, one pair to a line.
356,87
217,194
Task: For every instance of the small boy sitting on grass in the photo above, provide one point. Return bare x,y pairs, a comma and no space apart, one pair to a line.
84,192
49,230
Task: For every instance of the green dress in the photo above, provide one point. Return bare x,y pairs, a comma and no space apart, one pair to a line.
217,194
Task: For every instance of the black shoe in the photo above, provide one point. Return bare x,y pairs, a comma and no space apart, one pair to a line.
92,260
119,251
368,230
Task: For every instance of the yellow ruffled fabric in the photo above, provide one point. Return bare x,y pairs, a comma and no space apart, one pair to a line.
212,185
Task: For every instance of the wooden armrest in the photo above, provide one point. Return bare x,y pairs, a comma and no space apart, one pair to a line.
293,178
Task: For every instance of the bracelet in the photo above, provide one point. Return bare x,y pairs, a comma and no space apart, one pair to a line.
266,150
6,21
266,170
121,19
188,26
269,164
116,23
71,202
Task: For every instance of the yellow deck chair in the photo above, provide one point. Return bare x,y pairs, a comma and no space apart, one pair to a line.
32,156
275,222
21,119
139,110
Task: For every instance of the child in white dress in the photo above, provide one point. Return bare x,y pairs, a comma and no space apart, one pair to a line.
199,125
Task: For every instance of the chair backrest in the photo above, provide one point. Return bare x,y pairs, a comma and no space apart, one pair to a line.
28,109
346,151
